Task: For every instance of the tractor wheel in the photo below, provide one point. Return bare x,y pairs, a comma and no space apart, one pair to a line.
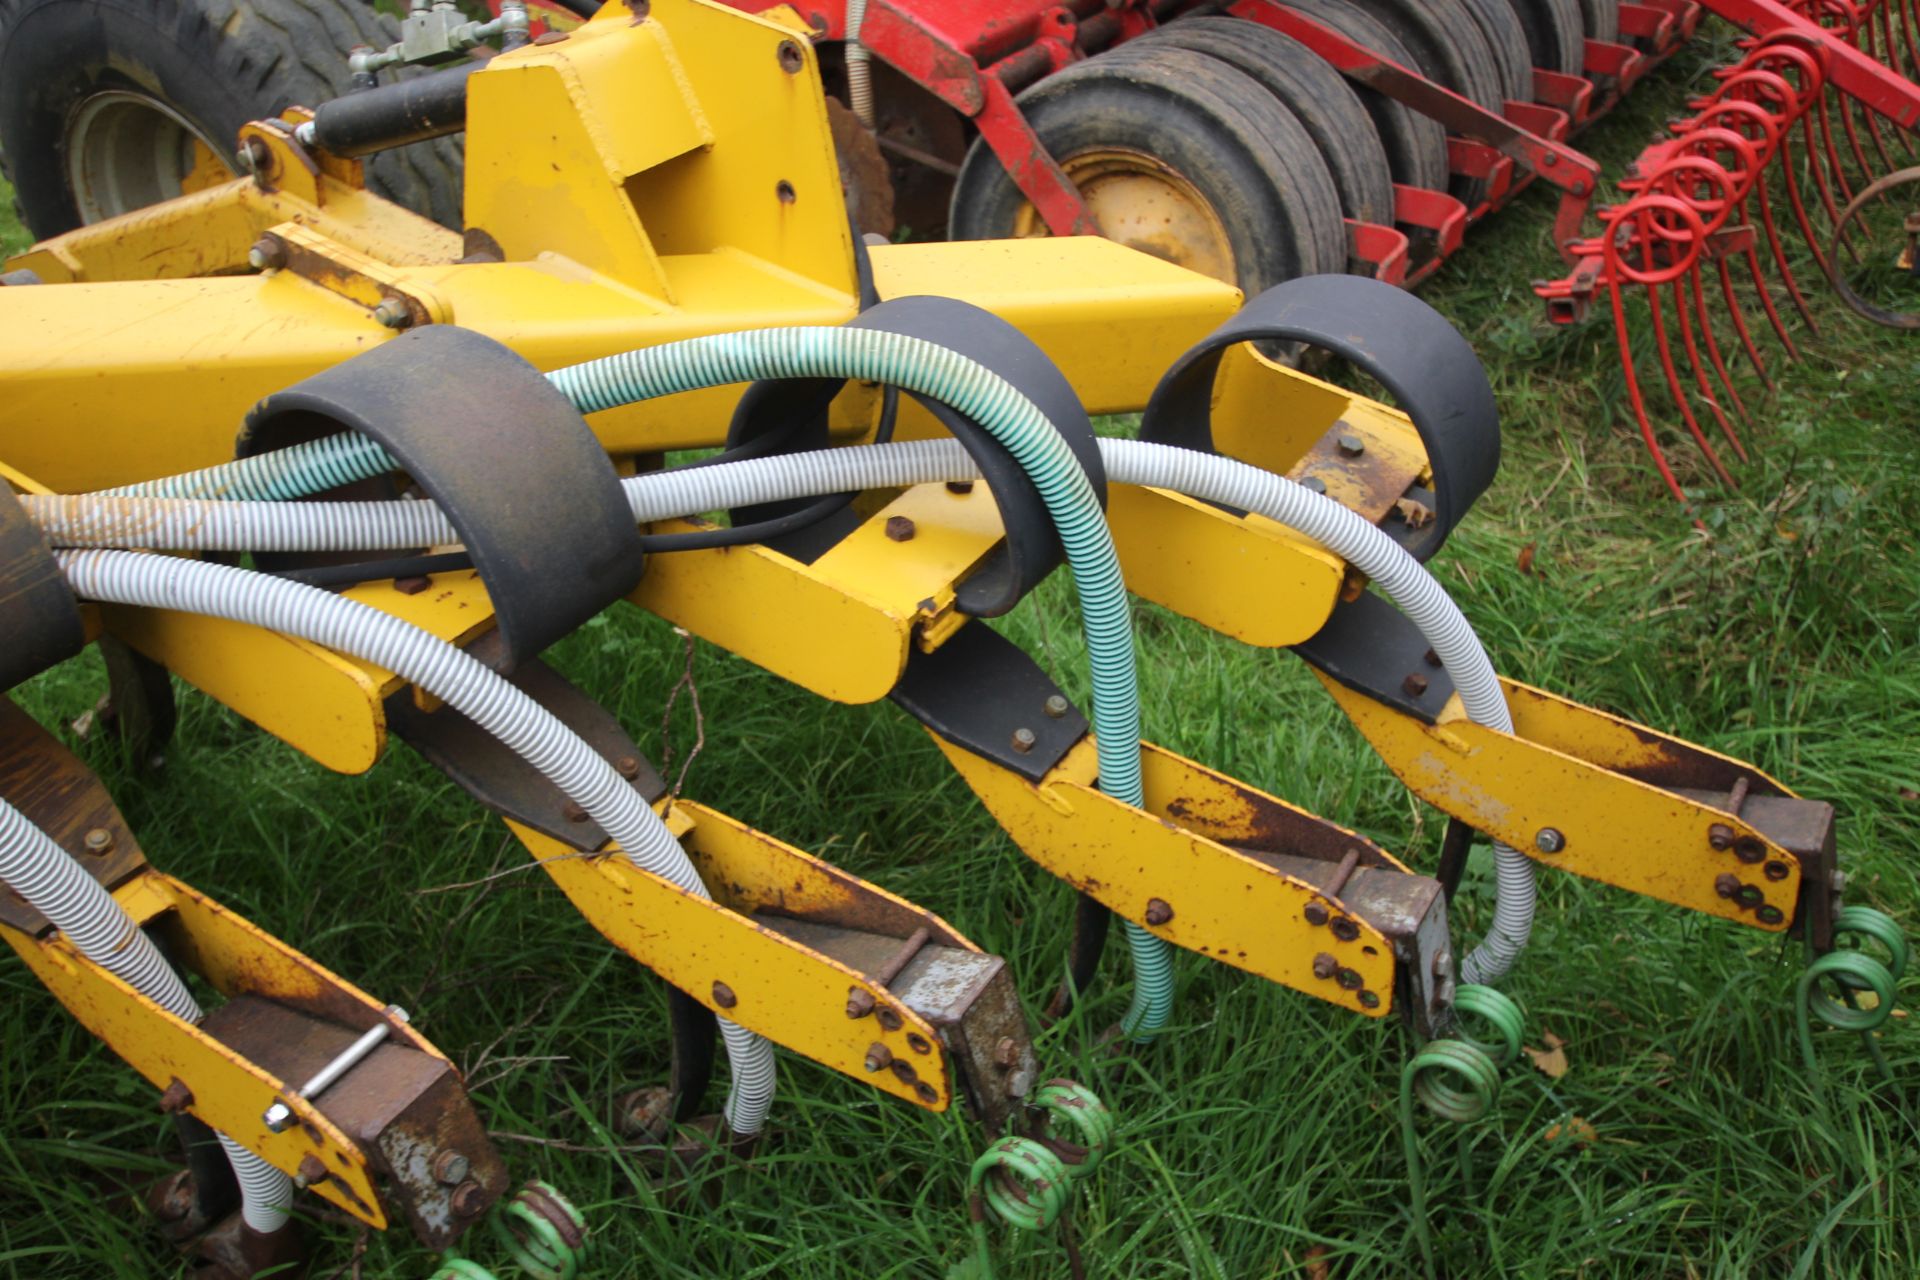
1177,155
1603,19
1501,28
110,105
1447,45
1416,145
1556,33
1317,95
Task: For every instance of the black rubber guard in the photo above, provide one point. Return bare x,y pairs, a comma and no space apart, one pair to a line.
1031,549
1387,333
40,622
516,470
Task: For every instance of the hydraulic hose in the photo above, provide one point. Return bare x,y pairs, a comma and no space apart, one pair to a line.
660,495
76,904
859,65
464,683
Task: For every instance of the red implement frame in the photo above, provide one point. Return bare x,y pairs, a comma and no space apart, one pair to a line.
975,55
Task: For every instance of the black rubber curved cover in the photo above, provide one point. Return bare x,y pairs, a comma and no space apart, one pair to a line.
40,622
1031,549
1431,371
516,470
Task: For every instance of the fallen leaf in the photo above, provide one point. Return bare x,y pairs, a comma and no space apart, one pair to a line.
1552,1060
1575,1129
1906,793
1898,1013
1526,558
1318,1268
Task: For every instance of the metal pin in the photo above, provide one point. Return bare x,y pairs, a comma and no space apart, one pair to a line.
279,1116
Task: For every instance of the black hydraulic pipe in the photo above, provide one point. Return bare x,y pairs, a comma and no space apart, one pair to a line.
429,106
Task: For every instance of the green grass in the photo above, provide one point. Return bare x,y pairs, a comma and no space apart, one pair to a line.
1262,1127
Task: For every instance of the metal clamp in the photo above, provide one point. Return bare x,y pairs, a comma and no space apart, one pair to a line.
279,1116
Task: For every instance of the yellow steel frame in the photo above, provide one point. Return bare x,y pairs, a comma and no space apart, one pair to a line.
228,1091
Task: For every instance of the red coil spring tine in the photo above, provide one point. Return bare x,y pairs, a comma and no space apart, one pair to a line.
1779,252
1740,323
1628,228
1653,216
1696,286
1909,24
1696,176
1885,16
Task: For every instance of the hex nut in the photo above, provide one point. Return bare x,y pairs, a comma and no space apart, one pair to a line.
450,1168
469,1199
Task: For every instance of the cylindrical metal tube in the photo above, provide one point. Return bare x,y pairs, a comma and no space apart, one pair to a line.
429,106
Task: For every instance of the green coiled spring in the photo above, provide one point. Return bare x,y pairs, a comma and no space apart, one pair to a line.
1027,1182
1457,1079
539,1228
1852,971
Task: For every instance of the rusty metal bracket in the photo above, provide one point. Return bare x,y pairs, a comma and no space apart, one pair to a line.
1370,647
982,692
56,791
502,780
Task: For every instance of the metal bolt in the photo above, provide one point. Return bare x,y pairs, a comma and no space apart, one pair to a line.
959,486
450,1168
791,59
1023,740
1314,484
1726,884
1006,1053
1720,836
878,1056
1345,929
859,1002
919,1043
1553,159
1352,445
177,1098
469,1199
1058,706
278,1117
393,313
783,191
1442,964
573,812
1415,685
1325,966
899,529
1838,881
1158,912
1432,658
99,842
253,156
267,254
1549,840
627,767
723,995
1315,912
310,1172
1776,871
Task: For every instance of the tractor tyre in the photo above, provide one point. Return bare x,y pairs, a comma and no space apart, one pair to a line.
1416,144
1178,155
1603,19
1317,96
110,105
1447,46
1556,33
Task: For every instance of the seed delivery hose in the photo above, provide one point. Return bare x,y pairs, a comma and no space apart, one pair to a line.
183,523
461,681
52,883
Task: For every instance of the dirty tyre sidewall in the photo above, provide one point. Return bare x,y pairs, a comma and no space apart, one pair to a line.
1168,106
217,63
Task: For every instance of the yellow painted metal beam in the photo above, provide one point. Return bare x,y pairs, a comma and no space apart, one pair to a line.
1224,904
1616,829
